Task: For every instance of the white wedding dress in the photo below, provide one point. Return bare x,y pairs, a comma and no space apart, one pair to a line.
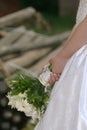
67,109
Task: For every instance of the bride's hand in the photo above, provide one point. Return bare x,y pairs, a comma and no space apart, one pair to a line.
58,63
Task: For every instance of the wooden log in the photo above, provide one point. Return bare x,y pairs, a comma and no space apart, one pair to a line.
41,22
26,60
3,69
11,37
27,39
3,33
37,68
17,17
9,57
41,43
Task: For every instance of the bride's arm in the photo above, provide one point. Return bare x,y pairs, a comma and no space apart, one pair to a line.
76,40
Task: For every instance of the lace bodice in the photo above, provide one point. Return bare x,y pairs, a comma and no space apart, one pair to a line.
82,11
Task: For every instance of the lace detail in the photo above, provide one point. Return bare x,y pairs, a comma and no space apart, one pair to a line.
82,11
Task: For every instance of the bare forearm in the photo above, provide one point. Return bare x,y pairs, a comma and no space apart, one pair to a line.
77,39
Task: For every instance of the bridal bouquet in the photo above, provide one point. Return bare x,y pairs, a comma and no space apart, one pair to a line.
30,94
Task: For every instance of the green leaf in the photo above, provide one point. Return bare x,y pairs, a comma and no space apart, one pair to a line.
50,67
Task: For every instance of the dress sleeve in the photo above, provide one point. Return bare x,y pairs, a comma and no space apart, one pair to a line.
82,11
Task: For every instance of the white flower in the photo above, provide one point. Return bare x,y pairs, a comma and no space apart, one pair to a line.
20,103
36,115
29,111
13,99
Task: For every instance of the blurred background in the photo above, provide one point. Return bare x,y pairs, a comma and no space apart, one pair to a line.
31,32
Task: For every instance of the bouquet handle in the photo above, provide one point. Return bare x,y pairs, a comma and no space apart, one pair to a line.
45,75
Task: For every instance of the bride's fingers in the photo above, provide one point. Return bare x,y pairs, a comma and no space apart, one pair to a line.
53,78
56,76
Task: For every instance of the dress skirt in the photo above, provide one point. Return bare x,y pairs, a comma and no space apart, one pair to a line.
67,108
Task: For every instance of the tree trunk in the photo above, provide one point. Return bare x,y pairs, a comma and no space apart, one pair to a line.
67,7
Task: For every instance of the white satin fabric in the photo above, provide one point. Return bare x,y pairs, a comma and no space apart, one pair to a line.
67,109
82,11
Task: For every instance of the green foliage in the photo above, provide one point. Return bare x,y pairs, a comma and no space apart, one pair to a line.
50,67
58,24
34,90
29,127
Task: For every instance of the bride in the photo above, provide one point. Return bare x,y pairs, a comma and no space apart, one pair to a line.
67,109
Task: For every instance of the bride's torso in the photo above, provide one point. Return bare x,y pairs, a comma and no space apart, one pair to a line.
82,11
